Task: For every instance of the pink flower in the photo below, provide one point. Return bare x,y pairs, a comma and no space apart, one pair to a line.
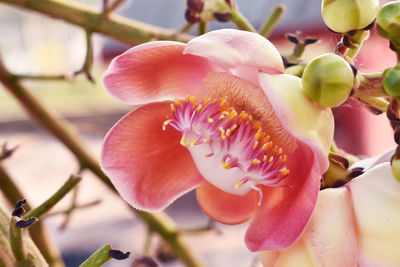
238,129
354,225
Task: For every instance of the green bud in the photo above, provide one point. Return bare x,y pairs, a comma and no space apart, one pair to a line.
391,81
211,8
347,15
388,22
395,164
328,80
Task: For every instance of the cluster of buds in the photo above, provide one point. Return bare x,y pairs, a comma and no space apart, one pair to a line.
328,80
208,10
388,24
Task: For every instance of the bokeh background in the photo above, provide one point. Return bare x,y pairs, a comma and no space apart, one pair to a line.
31,43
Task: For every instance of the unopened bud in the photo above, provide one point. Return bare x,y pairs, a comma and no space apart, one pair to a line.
328,80
388,22
395,164
391,81
344,15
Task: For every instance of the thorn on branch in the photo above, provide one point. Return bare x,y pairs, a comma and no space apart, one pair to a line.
18,208
118,254
6,152
25,223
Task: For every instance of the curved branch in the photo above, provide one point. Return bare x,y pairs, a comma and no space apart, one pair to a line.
122,29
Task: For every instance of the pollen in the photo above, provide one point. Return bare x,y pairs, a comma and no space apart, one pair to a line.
284,171
232,137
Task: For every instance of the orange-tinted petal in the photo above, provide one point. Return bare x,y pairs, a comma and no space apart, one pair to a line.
224,207
147,165
285,211
155,71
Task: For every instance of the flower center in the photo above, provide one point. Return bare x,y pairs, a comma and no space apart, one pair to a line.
229,149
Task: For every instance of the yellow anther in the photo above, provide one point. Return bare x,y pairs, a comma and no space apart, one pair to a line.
256,161
250,118
284,158
271,159
233,127
183,141
233,114
280,150
255,145
267,138
258,134
207,140
264,146
265,158
193,143
238,185
228,132
173,107
257,124
206,101
284,171
191,99
165,124
226,165
210,120
209,155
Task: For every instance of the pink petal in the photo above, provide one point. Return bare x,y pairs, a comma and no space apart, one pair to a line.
376,202
224,207
233,48
331,236
285,211
155,71
147,165
329,240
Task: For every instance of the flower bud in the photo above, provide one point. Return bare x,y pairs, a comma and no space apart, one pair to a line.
328,80
395,164
388,22
347,15
391,81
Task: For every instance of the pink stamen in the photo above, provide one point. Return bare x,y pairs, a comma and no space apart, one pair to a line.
236,137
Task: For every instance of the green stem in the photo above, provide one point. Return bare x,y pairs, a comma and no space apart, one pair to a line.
87,64
69,137
357,39
17,246
203,27
125,30
370,86
299,50
272,20
377,102
39,236
186,28
240,21
40,77
53,200
98,258
113,6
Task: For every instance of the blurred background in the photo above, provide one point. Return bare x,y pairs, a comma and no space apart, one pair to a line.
33,44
